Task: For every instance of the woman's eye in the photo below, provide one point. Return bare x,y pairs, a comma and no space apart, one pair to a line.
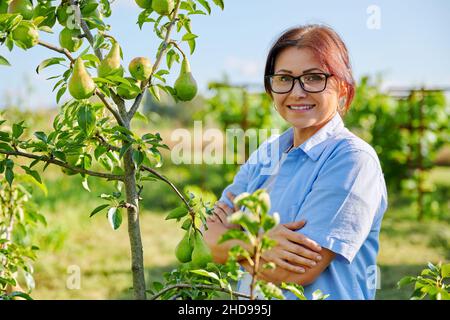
285,78
313,78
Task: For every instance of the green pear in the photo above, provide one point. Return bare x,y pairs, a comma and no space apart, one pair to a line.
144,4
111,63
185,85
140,68
70,39
163,7
184,248
201,254
48,12
4,6
26,35
24,7
81,85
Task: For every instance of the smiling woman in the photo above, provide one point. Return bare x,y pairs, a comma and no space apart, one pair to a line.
325,182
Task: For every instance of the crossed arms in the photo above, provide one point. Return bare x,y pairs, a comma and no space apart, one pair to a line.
297,258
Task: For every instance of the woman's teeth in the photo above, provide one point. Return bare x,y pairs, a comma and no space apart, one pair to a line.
302,107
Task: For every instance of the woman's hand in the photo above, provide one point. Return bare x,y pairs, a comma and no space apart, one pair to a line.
221,213
217,225
293,251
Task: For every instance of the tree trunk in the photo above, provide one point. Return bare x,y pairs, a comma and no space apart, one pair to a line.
134,231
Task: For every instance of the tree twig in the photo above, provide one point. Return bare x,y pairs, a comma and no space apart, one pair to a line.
109,107
85,28
154,172
200,286
178,47
106,144
63,164
57,49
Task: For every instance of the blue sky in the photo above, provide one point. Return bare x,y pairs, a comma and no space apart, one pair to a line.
411,47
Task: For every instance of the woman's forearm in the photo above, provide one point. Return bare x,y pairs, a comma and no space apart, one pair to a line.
279,275
212,237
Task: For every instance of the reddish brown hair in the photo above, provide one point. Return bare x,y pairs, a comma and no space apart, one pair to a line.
326,44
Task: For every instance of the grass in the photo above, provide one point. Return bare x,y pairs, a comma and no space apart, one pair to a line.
73,241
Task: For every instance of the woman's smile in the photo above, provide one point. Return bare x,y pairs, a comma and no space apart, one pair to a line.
301,108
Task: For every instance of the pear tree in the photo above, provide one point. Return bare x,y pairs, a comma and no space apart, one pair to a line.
94,126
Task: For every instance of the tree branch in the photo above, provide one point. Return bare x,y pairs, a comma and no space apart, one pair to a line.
109,107
145,168
138,99
200,286
85,28
57,49
106,144
178,48
63,164
152,171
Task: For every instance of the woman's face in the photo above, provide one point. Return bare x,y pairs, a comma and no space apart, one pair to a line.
295,62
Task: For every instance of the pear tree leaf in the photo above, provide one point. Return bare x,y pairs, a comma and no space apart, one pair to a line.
9,174
219,3
155,92
46,29
234,234
41,136
32,173
139,116
6,147
445,271
114,217
138,157
4,62
86,119
98,209
85,184
205,5
191,44
60,93
48,62
17,130
177,213
205,273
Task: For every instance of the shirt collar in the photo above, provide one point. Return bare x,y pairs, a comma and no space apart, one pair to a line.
315,145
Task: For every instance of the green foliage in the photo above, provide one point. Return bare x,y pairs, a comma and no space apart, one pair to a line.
17,254
398,129
433,282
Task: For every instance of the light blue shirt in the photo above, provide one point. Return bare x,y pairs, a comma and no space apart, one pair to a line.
333,181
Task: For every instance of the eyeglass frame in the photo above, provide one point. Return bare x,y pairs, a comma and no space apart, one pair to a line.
327,75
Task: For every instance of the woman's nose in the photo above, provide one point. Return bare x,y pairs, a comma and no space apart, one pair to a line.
297,90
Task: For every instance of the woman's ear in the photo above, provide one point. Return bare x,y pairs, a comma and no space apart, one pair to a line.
343,92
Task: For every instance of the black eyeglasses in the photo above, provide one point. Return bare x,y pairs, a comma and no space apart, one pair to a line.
310,82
